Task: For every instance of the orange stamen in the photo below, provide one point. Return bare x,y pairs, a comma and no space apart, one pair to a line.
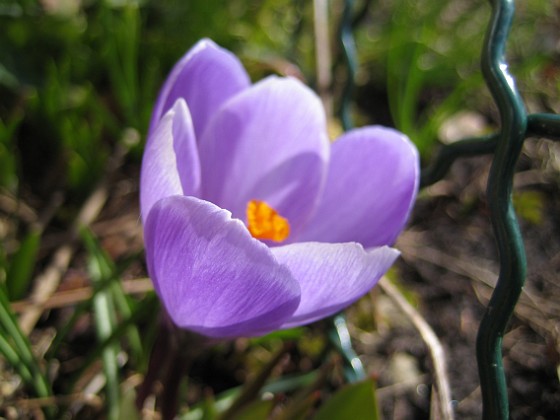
264,222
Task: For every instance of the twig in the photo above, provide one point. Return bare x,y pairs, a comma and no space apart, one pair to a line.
436,350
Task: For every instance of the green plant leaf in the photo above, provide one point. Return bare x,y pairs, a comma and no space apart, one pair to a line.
355,401
258,410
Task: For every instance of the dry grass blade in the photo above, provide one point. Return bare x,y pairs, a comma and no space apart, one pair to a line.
58,400
436,350
322,52
80,294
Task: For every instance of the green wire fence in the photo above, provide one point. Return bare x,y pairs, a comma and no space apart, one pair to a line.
516,126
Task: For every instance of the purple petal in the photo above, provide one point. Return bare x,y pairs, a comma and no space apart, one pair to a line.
170,165
332,276
371,186
268,143
206,77
211,275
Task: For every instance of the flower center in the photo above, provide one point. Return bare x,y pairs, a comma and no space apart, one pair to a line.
264,222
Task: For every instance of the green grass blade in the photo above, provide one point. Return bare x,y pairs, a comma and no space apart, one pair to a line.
10,327
21,266
127,312
13,358
105,322
148,307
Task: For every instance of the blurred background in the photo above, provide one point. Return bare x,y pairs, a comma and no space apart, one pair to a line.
78,80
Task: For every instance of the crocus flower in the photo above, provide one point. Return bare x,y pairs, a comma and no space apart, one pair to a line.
253,220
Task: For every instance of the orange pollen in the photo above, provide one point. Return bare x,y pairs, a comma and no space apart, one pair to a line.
264,222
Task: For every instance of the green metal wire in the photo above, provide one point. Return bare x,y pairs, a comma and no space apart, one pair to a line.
506,146
449,153
544,125
538,125
506,229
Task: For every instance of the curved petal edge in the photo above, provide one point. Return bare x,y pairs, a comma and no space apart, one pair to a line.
206,77
332,276
211,275
170,165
